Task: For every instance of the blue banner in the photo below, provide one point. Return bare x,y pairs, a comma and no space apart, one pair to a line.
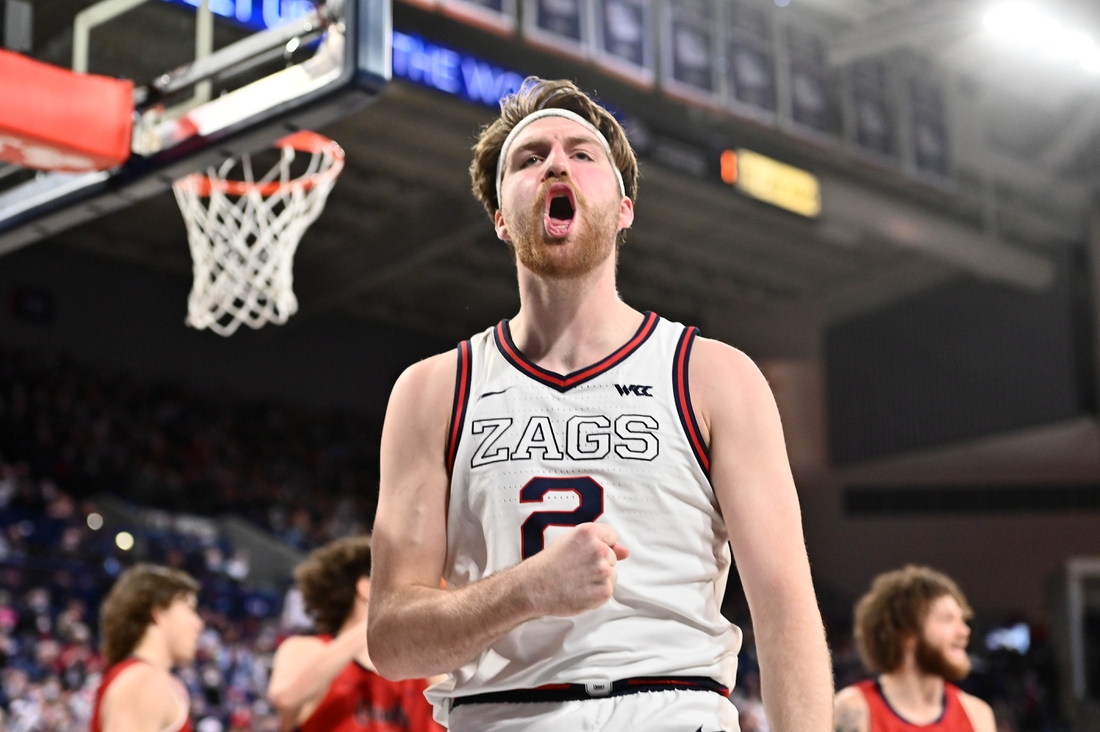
255,14
451,71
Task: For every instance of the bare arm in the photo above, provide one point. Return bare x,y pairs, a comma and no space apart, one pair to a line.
417,629
141,699
305,667
980,713
753,483
850,712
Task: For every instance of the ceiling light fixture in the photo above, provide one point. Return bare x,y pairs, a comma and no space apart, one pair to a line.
1028,27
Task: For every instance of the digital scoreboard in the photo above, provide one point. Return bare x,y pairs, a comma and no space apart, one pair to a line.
768,180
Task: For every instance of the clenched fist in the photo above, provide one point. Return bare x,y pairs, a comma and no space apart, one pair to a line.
576,572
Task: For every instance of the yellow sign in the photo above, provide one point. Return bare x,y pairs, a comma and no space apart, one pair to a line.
771,181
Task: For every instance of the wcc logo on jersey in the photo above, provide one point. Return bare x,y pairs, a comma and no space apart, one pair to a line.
635,389
581,437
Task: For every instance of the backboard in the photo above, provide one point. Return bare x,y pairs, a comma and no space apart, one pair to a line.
213,79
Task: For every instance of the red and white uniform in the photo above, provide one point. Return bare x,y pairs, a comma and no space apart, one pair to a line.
885,719
360,700
183,721
533,453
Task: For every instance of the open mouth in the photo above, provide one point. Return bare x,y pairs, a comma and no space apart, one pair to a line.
560,210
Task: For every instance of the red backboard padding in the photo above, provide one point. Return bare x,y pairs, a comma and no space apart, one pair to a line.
55,119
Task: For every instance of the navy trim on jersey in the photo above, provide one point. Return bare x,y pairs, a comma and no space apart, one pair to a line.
682,396
514,356
462,400
881,693
583,692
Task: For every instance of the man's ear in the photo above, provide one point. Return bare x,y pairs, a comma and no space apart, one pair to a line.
362,588
626,213
501,227
156,615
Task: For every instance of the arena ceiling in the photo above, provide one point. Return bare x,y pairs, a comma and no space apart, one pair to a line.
403,242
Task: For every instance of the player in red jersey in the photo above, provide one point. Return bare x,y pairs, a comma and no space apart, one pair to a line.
326,682
149,625
911,629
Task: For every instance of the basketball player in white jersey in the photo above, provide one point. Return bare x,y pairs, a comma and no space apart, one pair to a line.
577,474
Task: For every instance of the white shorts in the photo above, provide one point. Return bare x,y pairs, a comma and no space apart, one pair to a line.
651,711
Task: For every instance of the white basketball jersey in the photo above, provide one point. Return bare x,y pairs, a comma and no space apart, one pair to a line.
533,453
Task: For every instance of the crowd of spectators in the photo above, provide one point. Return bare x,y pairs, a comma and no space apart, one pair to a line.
307,475
69,434
55,568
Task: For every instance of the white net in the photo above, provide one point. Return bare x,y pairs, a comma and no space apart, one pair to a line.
243,233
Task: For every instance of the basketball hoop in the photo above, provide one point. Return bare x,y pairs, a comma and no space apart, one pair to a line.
244,237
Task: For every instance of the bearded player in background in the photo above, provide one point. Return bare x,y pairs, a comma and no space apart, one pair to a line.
911,630
577,475
149,625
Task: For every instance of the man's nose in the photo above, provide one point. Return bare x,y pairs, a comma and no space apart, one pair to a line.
557,163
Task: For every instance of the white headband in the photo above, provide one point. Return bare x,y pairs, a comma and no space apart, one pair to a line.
554,112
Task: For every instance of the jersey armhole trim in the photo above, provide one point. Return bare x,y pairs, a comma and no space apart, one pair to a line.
183,721
461,400
682,395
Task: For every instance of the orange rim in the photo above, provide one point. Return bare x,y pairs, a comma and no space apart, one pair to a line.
302,141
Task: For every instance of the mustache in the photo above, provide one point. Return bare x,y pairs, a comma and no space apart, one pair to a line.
540,199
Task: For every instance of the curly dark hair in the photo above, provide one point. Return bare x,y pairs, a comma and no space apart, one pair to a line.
533,95
895,609
128,609
327,580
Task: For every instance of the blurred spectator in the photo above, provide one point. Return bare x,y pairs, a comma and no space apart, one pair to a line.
750,706
308,476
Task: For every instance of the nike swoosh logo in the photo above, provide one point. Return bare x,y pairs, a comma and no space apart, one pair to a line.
493,393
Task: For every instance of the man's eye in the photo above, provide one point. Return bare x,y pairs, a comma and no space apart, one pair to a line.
529,160
583,155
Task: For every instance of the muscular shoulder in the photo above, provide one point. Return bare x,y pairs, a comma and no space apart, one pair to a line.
716,366
726,385
414,435
432,377
424,392
142,694
980,713
850,711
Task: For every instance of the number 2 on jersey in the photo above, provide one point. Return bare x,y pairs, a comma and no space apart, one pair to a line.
533,529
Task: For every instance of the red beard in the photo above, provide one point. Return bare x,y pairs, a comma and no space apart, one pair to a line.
593,241
933,660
